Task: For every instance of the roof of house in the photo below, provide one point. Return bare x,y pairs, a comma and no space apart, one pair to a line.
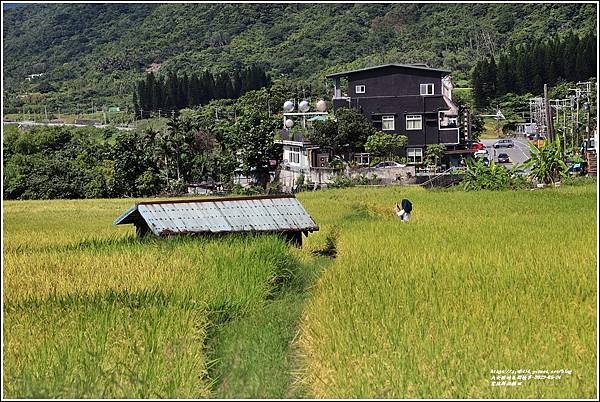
411,66
272,213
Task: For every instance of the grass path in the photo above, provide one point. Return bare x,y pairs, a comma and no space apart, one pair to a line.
254,355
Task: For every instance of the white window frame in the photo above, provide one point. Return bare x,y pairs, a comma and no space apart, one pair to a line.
386,119
412,159
363,158
427,86
413,118
360,89
294,153
455,118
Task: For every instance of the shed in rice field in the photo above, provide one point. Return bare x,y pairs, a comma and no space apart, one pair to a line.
258,214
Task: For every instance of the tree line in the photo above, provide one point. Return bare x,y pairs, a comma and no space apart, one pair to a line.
195,146
526,68
173,92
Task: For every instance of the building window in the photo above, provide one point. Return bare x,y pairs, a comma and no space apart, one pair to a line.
387,123
448,121
360,89
426,89
295,155
362,159
414,155
414,122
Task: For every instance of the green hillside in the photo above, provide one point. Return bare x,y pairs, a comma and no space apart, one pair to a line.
97,51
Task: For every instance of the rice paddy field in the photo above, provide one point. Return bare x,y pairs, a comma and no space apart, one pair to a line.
368,307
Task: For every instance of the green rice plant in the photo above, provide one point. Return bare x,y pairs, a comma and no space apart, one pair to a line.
104,349
475,281
92,312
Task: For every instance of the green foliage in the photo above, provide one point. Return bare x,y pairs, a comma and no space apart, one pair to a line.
546,163
47,162
300,179
384,144
491,177
526,67
238,189
54,163
172,93
477,127
349,131
148,183
364,180
353,129
579,180
434,154
100,52
340,181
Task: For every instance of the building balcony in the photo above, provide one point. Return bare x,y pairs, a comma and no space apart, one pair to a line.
284,136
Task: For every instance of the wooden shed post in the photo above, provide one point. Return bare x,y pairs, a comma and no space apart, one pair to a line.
141,229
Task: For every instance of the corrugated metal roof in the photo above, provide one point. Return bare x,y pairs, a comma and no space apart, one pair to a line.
221,215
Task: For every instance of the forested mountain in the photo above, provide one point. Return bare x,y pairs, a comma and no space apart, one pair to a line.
100,51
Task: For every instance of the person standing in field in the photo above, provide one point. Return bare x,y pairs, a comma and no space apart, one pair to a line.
404,212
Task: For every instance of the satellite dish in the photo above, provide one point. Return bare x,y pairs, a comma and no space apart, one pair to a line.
289,123
303,106
288,106
321,105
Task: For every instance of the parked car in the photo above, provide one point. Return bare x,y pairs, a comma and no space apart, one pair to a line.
477,145
482,153
505,143
503,158
387,164
576,169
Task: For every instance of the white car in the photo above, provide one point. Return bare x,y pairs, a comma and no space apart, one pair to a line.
482,153
387,164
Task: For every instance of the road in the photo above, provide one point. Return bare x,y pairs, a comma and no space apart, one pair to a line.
518,154
31,123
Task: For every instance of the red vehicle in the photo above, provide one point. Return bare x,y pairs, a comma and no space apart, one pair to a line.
477,146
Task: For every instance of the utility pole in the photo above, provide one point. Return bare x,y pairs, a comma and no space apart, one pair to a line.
548,114
141,114
577,119
564,125
46,112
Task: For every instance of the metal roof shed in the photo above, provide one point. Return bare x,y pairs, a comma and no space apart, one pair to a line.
258,214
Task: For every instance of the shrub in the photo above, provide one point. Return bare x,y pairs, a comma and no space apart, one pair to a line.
341,181
238,189
546,163
491,177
